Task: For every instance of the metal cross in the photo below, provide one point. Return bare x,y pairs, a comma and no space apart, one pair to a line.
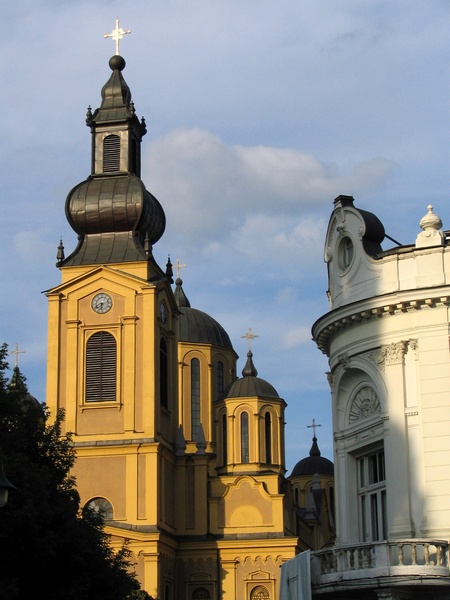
117,34
250,336
314,427
16,351
179,265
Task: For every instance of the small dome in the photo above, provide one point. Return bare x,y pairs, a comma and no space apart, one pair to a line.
195,325
314,463
198,327
249,384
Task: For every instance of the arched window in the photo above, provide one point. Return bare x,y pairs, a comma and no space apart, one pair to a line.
102,506
166,593
111,154
224,440
244,438
219,380
101,366
260,593
195,398
268,436
201,594
163,373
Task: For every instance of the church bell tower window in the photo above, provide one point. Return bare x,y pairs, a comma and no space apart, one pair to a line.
101,367
111,154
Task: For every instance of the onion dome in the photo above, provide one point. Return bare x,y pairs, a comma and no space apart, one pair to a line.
250,385
115,217
196,326
314,463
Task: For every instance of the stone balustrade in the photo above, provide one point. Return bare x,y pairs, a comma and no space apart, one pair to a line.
423,558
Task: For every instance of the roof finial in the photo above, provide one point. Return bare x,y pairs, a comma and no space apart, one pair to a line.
117,34
16,351
314,427
179,266
250,336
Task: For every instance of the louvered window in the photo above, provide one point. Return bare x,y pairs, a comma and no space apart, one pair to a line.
111,154
101,367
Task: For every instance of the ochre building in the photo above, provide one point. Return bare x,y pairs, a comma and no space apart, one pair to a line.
184,457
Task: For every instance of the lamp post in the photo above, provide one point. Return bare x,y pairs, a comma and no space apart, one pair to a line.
5,486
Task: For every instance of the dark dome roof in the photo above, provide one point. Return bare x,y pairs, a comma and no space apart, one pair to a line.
198,327
250,384
314,463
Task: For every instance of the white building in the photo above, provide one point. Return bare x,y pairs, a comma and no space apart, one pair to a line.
387,338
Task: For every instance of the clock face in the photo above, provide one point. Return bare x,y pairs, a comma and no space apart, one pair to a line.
101,303
163,312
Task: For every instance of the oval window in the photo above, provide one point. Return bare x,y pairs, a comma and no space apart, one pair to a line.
345,253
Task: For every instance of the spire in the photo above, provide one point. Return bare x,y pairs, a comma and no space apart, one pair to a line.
169,270
249,370
314,448
117,220
180,296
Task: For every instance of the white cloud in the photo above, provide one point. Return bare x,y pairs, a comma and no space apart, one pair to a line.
211,190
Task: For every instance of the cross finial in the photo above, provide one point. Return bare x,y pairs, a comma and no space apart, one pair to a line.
250,336
314,427
179,266
117,34
16,351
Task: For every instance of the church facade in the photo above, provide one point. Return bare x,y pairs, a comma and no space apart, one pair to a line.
184,458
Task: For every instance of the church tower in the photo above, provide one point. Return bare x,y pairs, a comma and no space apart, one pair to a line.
112,327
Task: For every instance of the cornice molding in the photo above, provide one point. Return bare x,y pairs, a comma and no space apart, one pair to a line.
332,328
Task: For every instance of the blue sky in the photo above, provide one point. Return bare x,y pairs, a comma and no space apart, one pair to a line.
259,114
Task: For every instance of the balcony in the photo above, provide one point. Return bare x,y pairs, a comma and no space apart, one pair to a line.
400,562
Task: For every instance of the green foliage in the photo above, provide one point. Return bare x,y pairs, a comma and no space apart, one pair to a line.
47,545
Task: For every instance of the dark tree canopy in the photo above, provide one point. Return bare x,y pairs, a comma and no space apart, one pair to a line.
48,546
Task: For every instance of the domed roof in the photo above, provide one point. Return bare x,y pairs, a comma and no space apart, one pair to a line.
314,463
249,384
196,326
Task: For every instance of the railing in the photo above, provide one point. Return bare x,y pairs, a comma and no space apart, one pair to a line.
400,557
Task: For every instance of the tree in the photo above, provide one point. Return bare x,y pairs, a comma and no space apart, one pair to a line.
48,546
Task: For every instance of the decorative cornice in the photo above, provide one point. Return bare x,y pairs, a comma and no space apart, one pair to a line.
326,334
